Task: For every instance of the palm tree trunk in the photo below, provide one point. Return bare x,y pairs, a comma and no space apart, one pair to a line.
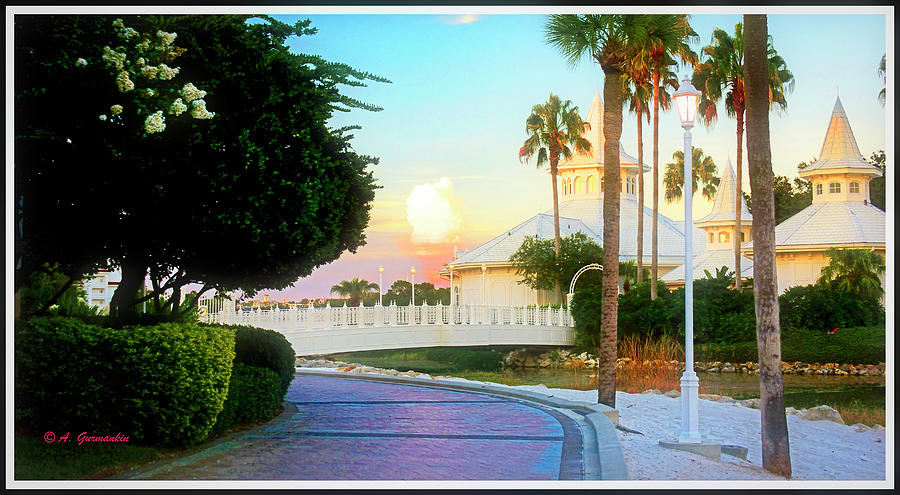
775,442
640,209
554,161
612,132
654,238
737,197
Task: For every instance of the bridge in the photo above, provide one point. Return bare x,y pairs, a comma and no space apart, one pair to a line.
329,330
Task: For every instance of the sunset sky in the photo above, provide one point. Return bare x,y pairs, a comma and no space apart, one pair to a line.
463,84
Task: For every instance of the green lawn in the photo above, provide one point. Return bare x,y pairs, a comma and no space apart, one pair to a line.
35,459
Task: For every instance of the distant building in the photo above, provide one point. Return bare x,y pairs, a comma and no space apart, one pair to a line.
99,289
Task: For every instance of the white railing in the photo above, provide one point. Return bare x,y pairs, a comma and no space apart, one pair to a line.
388,316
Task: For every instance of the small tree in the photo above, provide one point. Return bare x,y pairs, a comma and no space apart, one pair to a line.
854,270
540,269
354,290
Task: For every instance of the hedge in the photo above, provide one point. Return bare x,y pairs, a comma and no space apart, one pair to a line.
857,345
265,349
160,385
254,394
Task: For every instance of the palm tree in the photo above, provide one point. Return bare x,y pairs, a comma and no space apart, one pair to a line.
669,35
354,289
553,127
854,270
775,443
613,41
637,93
882,72
704,169
723,70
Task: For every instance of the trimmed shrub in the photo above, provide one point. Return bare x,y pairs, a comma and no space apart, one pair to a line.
161,385
265,349
587,308
856,345
254,394
822,307
638,315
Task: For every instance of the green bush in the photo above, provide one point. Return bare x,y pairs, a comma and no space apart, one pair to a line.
265,349
822,307
160,385
587,309
638,315
254,394
720,314
848,346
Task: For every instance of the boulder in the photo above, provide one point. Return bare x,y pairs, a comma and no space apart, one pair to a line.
726,400
822,413
654,391
791,411
878,428
710,396
728,369
751,403
672,394
860,428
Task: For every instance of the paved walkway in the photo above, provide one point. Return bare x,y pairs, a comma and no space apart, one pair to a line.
346,429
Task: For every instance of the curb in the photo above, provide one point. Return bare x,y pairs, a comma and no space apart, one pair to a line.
602,418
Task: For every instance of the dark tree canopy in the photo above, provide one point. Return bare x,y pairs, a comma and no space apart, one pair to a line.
256,196
790,199
540,269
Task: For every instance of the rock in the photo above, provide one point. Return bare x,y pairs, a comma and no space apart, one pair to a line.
726,400
878,428
751,403
672,394
654,391
791,411
710,396
713,370
822,413
728,369
860,428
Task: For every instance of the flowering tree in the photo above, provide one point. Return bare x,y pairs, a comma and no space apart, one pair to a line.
119,160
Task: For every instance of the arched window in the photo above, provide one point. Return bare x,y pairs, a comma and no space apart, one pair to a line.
818,189
723,237
579,185
591,184
854,187
834,187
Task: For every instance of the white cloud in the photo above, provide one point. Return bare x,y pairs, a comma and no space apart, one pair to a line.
431,210
455,20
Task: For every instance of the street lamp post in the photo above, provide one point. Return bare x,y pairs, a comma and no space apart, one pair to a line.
380,281
686,99
412,271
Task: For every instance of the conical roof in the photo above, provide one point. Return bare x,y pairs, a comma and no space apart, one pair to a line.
723,206
593,132
839,150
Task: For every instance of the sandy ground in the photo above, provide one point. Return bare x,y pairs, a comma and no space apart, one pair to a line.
820,450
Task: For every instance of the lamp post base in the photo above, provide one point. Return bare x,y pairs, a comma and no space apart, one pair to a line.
690,408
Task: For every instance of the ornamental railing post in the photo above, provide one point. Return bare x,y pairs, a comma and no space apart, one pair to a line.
440,314
392,314
344,309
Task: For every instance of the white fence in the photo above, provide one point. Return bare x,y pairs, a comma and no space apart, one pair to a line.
385,316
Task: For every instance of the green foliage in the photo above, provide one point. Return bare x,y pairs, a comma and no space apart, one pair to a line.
855,345
638,315
44,285
354,289
400,294
552,128
535,261
789,199
587,309
432,360
159,385
254,394
703,170
823,307
265,349
854,270
876,185
35,460
266,176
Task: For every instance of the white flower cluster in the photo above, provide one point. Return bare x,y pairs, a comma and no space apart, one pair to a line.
178,107
149,71
199,110
125,33
80,62
143,46
166,72
191,92
140,62
155,123
148,93
124,82
165,38
113,58
115,109
102,117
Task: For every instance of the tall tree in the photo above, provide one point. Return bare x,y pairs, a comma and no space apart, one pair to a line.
668,38
613,41
723,70
854,270
638,92
553,128
882,72
703,170
172,182
774,432
354,290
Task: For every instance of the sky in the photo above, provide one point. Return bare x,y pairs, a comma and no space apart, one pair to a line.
464,83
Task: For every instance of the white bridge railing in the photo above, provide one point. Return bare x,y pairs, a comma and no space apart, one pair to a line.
344,317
